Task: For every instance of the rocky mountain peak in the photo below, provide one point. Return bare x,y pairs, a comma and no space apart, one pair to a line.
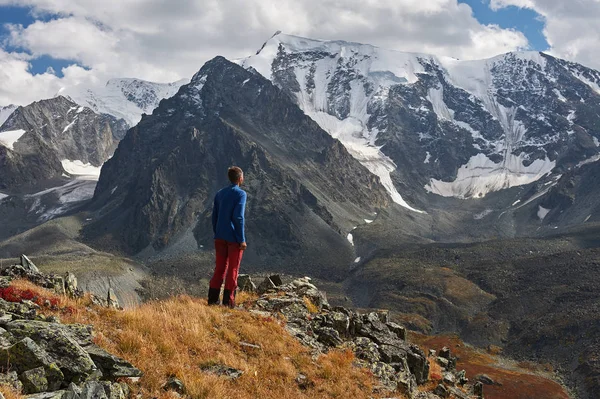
296,173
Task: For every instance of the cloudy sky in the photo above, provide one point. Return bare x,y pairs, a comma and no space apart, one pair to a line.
49,44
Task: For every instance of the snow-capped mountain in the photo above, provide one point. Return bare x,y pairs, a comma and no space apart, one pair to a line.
123,98
5,112
435,124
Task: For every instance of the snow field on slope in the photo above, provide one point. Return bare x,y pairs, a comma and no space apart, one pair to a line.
83,171
10,137
481,176
5,112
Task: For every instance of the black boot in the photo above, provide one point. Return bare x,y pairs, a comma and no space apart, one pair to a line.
213,296
229,299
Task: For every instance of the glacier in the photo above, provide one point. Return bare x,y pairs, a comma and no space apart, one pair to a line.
345,87
123,98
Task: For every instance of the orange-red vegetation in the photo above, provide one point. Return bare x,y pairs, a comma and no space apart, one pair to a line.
515,382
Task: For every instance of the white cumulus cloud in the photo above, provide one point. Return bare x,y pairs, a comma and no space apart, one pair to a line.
165,40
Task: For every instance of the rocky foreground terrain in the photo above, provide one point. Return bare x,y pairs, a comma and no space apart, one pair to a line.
44,358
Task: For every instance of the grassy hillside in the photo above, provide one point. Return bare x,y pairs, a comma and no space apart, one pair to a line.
182,336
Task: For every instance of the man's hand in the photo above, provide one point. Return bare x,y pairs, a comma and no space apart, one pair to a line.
243,246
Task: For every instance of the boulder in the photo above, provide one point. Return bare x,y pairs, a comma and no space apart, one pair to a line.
276,279
386,374
93,390
71,289
330,337
392,354
11,379
174,384
485,379
245,283
28,265
397,329
25,355
112,367
418,364
340,322
266,286
366,349
441,391
478,390
224,371
113,390
55,340
34,380
111,299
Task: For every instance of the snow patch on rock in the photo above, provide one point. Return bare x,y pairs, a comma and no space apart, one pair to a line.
84,171
481,175
542,212
10,137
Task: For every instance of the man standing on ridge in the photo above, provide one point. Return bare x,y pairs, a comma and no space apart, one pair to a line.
230,240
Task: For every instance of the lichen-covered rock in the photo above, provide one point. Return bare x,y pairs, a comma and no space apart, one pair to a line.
11,379
34,380
112,367
57,343
245,283
174,384
330,337
28,265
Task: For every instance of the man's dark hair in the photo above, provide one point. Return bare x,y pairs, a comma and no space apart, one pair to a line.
235,173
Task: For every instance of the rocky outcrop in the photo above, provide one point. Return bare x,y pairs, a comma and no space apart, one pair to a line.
45,358
379,344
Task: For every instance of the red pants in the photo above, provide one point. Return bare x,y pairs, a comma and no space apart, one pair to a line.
229,257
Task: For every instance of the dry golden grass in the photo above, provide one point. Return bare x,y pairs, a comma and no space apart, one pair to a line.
181,335
9,392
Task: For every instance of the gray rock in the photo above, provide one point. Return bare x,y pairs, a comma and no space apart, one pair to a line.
93,390
25,355
245,283
449,378
418,364
442,362
111,299
386,374
397,329
51,395
55,340
340,322
174,384
70,283
392,354
34,380
441,391
445,353
111,366
366,349
276,279
478,390
485,379
11,379
113,390
224,371
266,286
28,265
330,337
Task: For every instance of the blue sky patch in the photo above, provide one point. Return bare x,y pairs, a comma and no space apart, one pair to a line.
527,21
25,17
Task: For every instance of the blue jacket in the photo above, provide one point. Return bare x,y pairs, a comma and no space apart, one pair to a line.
228,214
